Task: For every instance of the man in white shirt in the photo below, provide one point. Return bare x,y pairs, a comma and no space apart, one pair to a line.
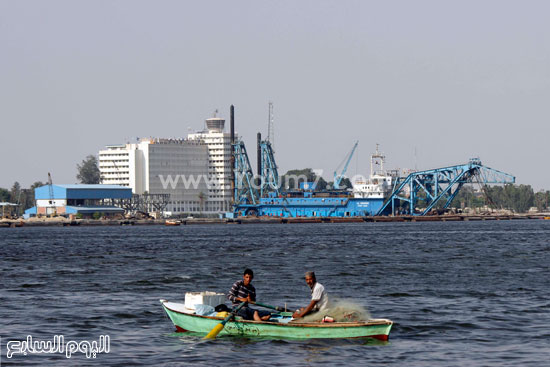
319,298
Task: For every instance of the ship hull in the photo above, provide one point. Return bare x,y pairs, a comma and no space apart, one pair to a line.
339,207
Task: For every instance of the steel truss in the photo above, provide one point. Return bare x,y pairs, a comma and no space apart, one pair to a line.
145,203
432,186
269,176
245,193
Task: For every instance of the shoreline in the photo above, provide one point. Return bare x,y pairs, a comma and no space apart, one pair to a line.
58,222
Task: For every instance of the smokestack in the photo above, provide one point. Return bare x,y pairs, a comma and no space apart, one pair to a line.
232,128
232,123
259,155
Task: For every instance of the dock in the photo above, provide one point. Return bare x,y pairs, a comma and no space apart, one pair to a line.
63,222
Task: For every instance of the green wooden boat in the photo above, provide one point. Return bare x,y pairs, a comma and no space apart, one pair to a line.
186,320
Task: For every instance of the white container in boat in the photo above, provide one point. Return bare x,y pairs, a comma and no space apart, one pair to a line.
205,298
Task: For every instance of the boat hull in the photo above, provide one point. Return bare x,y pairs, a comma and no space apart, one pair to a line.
172,223
184,321
312,207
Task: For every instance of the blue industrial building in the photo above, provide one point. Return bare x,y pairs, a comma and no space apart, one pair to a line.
79,199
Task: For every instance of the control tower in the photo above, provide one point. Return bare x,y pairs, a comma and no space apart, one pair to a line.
215,124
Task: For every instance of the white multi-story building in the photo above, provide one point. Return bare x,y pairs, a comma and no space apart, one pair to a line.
196,171
219,164
178,167
114,165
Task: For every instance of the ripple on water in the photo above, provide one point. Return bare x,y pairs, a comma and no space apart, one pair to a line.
460,294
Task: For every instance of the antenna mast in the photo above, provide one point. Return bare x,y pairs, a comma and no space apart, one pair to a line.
377,159
270,128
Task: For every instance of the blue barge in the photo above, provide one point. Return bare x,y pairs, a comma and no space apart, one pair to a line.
311,205
384,192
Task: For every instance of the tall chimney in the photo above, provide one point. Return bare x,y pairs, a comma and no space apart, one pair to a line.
232,175
259,155
232,123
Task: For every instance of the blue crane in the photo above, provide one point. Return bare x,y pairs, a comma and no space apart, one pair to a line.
427,188
338,178
245,191
52,200
269,176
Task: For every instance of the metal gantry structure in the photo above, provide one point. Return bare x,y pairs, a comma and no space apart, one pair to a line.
416,194
248,189
245,191
270,125
269,175
144,203
430,187
338,178
52,200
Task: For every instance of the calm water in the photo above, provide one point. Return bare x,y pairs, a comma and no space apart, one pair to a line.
460,294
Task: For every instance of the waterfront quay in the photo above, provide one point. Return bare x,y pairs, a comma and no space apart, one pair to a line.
14,223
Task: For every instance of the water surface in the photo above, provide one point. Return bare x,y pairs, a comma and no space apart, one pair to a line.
460,293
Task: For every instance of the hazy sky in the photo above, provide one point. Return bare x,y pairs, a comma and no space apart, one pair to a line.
449,80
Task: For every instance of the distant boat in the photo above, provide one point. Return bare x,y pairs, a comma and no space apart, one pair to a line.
172,222
277,327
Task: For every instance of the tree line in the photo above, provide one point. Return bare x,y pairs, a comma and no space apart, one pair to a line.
87,173
292,179
519,198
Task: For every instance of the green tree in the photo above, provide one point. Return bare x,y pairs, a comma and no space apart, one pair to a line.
23,197
202,198
518,198
36,184
292,179
542,198
15,192
322,184
525,199
4,195
88,170
345,183
463,198
25,200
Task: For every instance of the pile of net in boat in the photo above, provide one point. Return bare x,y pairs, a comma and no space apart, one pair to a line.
341,311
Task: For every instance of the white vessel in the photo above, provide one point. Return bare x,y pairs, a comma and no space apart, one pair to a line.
380,183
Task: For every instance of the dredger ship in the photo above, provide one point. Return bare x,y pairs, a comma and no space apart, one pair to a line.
384,192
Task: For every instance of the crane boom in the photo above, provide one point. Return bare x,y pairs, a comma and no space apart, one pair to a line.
338,178
50,186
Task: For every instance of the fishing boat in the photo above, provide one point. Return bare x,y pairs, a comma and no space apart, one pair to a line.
278,326
172,222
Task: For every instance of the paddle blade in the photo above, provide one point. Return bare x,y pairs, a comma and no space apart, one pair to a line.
215,331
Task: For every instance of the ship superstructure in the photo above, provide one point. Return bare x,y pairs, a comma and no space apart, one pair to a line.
380,183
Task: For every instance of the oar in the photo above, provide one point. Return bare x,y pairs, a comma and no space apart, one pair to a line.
277,308
218,328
